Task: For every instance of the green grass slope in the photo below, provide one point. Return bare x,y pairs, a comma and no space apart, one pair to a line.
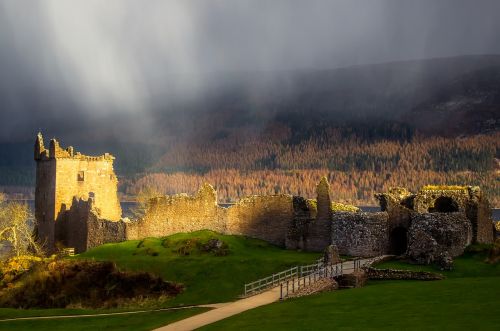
467,300
208,278
136,322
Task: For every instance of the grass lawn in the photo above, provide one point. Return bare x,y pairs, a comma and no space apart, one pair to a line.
467,300
207,278
14,313
136,322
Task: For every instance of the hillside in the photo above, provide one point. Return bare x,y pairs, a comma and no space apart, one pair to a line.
469,104
210,275
368,127
355,168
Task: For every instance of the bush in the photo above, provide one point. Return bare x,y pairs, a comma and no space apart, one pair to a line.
197,245
337,206
60,284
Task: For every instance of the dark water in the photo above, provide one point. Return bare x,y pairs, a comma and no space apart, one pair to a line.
127,205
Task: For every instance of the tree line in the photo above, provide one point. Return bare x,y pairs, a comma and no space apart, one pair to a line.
356,168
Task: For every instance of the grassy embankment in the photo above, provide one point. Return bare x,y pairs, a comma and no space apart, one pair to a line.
208,278
468,299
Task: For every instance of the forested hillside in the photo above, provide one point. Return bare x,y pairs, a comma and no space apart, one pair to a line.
355,167
369,127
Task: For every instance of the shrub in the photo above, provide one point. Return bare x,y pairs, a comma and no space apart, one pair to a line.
200,246
63,283
337,206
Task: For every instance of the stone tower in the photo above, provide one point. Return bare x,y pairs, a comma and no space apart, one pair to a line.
62,174
320,229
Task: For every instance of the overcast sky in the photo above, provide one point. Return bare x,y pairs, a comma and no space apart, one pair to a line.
105,56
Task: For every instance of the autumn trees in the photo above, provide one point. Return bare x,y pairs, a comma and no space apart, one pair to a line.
356,168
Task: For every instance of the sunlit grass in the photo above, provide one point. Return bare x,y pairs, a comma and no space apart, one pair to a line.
466,300
207,278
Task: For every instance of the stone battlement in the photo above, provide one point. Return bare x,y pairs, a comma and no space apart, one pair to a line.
55,151
63,175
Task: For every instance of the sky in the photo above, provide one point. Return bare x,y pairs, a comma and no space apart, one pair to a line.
77,60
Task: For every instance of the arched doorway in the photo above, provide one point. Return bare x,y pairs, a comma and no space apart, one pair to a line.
399,240
444,205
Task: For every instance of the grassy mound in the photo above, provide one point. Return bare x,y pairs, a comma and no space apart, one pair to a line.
467,299
212,267
59,284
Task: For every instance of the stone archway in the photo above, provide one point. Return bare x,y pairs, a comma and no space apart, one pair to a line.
444,205
398,240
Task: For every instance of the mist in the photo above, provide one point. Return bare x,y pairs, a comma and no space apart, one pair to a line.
65,64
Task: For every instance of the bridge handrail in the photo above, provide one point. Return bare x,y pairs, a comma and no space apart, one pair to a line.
310,268
270,281
299,273
325,271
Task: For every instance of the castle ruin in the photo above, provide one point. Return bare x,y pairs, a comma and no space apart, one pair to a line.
63,175
77,205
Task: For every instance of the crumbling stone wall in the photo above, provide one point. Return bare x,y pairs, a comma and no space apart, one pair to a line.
263,217
361,234
280,219
425,200
180,213
402,206
478,211
434,235
82,227
398,202
320,228
304,211
393,274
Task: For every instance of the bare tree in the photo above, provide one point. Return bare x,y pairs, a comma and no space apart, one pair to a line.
16,227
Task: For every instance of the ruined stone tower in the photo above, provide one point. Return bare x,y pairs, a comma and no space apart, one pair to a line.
61,175
320,228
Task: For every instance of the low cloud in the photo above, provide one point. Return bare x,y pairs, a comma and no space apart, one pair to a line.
96,58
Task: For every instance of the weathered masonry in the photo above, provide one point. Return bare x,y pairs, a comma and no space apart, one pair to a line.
77,206
63,175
